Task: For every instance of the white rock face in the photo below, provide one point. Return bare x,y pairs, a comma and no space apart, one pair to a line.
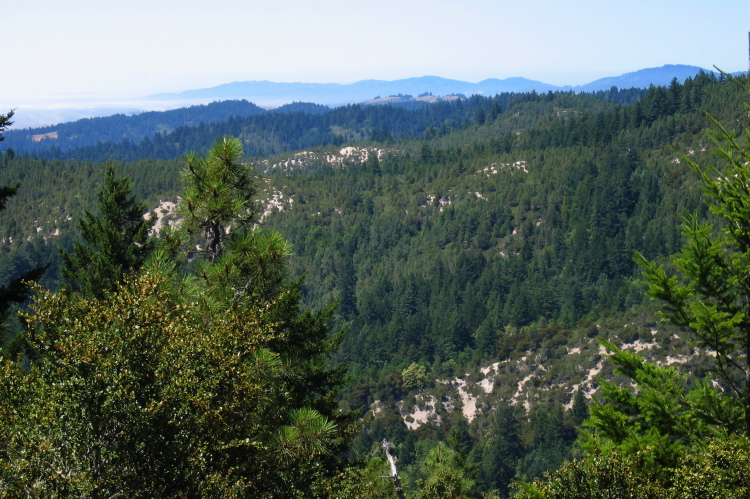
341,158
164,215
423,412
277,201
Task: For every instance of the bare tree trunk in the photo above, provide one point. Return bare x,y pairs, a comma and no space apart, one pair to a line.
389,448
213,240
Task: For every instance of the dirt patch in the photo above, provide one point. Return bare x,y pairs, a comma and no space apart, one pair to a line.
40,136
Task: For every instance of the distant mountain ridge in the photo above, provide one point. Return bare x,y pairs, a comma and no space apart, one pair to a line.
334,94
340,94
270,94
661,76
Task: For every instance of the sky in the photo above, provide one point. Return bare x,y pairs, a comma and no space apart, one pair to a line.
56,52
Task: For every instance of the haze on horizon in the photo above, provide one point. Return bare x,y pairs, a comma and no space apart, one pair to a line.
63,52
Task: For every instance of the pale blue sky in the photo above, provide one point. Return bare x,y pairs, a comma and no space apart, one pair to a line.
55,50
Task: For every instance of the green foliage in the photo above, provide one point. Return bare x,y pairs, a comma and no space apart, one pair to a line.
444,260
476,243
112,243
5,122
502,450
177,384
717,471
236,261
445,476
44,214
445,242
16,290
169,134
241,265
6,191
362,481
580,407
603,474
721,470
414,376
101,133
662,437
552,439
145,394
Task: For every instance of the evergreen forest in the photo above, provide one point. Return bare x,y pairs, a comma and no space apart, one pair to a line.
526,295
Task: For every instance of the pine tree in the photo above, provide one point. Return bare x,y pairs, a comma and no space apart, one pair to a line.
114,243
218,195
240,266
580,409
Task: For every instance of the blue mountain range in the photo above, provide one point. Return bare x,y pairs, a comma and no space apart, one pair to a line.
332,94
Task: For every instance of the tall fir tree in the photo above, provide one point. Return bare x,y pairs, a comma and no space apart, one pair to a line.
6,191
502,450
112,243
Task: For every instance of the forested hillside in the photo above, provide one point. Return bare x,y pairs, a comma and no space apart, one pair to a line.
477,252
119,127
484,246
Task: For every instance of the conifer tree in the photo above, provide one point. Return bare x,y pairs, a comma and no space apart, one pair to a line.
112,243
218,196
711,293
6,191
15,291
502,450
580,409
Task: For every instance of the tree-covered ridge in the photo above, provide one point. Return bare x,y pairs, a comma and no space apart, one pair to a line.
461,203
169,134
460,256
291,127
120,127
